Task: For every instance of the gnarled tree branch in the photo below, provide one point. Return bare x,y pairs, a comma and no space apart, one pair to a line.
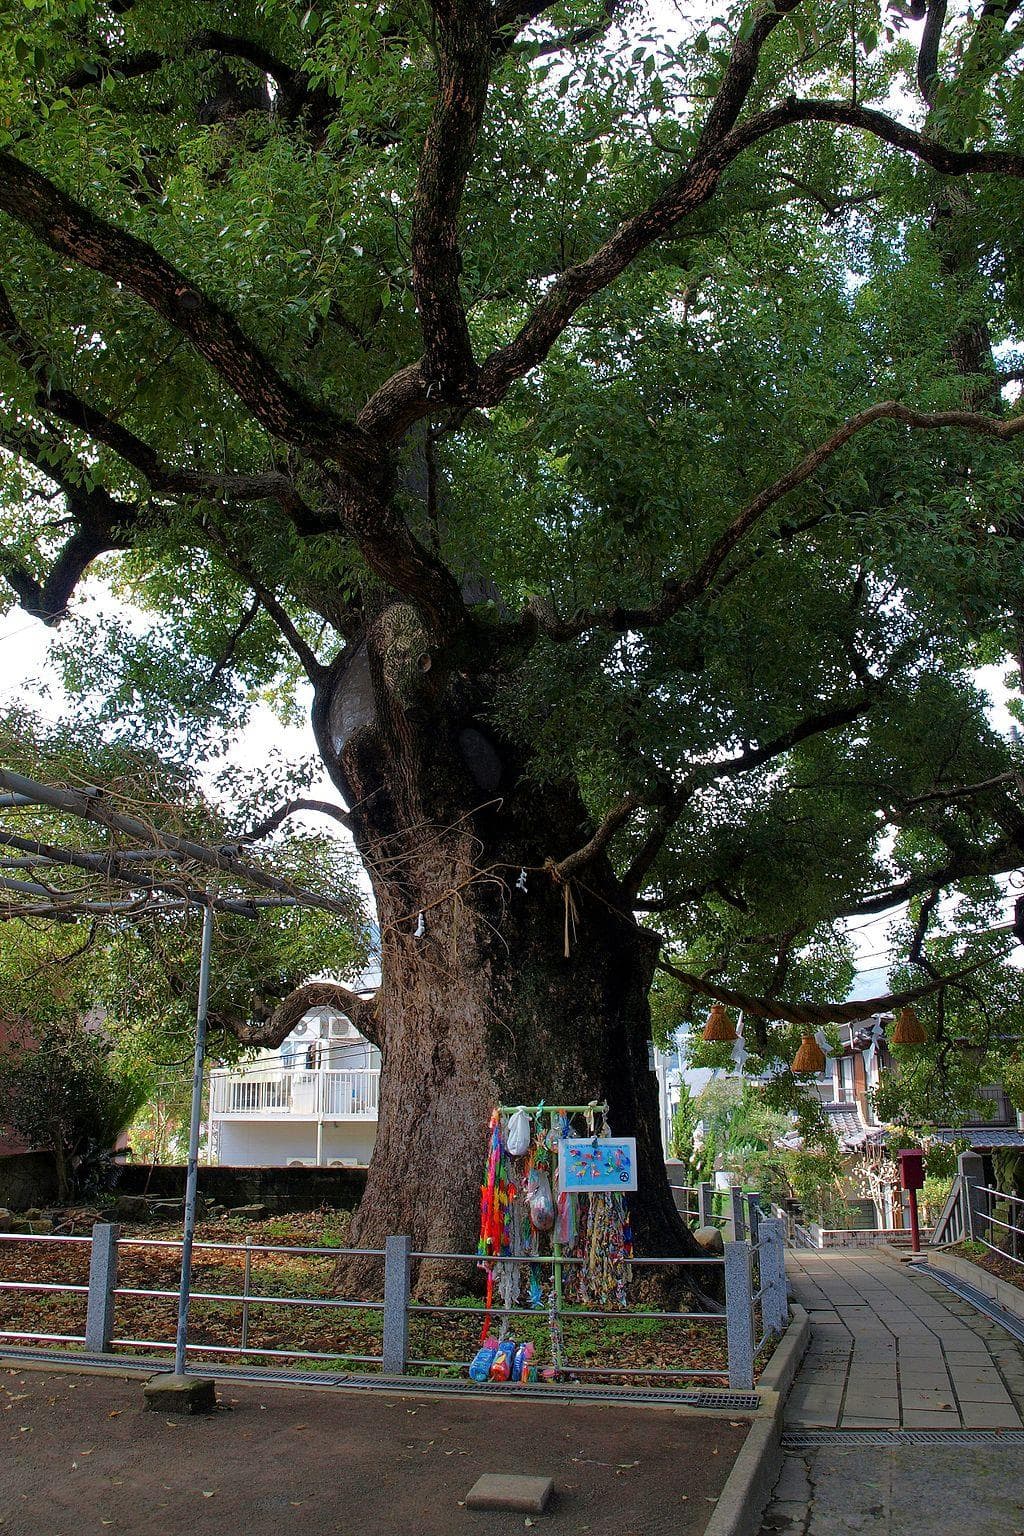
315,994
271,823
464,64
815,1014
70,229
679,593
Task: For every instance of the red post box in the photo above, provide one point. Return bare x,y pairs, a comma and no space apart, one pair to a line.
912,1169
912,1179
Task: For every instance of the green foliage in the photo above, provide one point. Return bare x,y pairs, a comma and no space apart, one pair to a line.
698,1159
67,1088
827,273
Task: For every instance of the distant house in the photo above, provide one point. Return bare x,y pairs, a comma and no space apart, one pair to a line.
311,1103
846,1089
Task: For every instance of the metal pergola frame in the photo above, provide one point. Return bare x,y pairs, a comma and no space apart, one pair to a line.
153,893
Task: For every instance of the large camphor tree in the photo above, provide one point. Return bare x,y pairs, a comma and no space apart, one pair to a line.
606,411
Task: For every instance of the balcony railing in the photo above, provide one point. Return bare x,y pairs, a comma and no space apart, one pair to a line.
351,1094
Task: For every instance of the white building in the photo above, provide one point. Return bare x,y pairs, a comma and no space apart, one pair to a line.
313,1102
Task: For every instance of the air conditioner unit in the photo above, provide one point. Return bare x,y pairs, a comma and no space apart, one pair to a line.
300,1028
302,1162
336,1162
341,1027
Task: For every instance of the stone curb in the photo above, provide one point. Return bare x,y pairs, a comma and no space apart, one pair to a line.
748,1488
1008,1296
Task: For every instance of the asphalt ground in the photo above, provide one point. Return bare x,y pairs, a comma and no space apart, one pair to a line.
904,1490
80,1454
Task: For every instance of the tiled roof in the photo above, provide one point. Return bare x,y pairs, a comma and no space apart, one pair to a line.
983,1136
849,1126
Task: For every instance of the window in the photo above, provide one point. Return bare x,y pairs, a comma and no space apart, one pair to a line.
845,1080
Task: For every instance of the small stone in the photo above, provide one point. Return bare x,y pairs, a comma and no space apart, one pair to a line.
510,1490
131,1208
251,1212
710,1239
170,1393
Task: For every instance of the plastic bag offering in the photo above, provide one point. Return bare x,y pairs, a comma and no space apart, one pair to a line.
480,1368
504,1356
565,1229
522,1361
517,1137
540,1202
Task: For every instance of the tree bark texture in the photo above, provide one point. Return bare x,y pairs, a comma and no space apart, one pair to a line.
479,1003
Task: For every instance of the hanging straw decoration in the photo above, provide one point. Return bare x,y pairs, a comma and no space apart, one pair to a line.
719,1025
810,1057
908,1029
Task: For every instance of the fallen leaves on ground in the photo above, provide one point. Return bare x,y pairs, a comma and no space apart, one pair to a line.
600,1347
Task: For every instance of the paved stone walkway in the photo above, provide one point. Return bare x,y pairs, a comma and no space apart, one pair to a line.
891,1348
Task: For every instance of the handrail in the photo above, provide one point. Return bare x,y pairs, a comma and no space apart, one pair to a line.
949,1226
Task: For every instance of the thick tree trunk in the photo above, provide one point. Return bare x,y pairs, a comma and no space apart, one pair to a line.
480,1003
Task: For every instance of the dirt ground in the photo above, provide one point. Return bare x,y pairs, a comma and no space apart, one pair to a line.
80,1454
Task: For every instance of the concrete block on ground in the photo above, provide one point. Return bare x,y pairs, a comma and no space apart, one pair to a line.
171,1393
510,1490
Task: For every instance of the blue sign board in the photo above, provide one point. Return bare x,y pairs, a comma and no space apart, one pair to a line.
587,1164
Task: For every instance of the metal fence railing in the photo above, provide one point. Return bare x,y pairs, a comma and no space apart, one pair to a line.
950,1224
1004,1221
984,1214
105,1312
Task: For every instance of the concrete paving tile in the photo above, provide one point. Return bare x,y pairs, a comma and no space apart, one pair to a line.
807,1418
982,1392
989,1416
867,1421
920,1387
881,1401
913,1402
974,1374
921,1418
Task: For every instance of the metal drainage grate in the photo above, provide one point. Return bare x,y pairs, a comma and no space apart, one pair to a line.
979,1299
851,1439
413,1386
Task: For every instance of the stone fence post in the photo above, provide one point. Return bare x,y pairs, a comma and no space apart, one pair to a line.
396,1305
772,1254
99,1313
739,1316
975,1204
737,1214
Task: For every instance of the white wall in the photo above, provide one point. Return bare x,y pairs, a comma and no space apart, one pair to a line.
272,1144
